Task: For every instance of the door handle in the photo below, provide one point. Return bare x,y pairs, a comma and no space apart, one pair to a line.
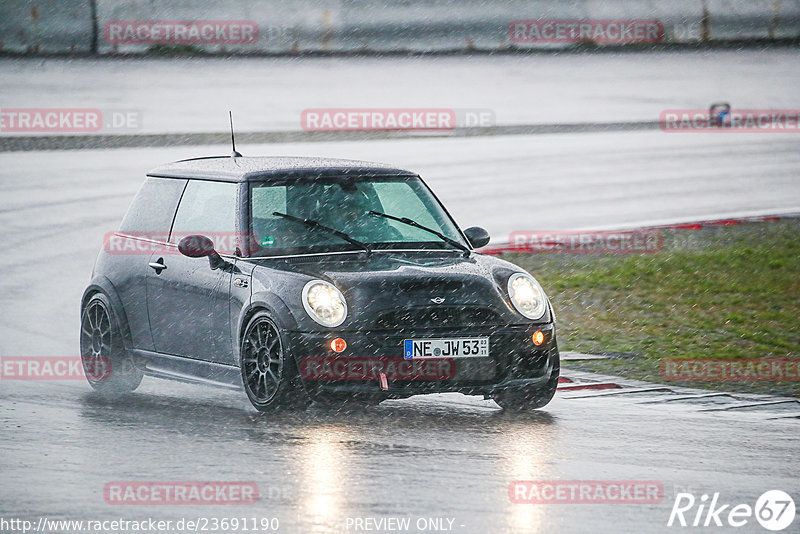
158,265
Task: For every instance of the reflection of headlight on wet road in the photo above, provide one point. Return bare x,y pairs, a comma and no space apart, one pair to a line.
324,475
528,453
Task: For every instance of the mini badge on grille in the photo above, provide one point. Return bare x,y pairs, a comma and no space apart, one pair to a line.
437,300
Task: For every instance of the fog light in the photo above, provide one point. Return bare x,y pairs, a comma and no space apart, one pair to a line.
538,337
338,345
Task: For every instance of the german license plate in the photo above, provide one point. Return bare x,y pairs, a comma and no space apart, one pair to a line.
473,347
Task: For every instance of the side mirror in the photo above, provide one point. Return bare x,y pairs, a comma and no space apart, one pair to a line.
199,246
196,246
478,237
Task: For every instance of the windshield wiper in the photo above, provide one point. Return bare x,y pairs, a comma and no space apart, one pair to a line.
415,224
311,223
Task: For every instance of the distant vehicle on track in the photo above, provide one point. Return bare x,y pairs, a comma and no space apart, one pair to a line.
338,281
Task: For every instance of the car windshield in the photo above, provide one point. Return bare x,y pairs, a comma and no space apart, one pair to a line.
344,204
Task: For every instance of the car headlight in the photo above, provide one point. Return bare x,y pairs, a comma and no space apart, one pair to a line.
526,295
324,303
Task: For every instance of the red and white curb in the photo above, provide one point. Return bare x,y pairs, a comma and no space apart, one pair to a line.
575,385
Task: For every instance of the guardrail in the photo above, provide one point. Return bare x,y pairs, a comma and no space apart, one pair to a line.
350,26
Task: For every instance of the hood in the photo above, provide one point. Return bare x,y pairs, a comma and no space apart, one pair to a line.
395,289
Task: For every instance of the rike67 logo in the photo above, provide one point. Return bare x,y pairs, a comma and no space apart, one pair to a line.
774,510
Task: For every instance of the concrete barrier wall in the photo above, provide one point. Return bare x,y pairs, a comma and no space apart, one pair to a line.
735,19
61,26
45,26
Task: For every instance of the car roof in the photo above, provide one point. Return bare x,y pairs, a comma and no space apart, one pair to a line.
245,169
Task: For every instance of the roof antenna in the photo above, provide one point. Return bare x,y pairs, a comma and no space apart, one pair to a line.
233,141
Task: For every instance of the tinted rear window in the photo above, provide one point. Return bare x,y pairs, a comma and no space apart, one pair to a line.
153,208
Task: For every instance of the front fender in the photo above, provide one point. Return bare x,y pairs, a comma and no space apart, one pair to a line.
274,306
101,284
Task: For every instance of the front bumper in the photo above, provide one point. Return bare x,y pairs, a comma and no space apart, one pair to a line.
513,362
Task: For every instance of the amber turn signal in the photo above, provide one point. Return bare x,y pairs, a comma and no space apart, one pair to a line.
338,345
538,337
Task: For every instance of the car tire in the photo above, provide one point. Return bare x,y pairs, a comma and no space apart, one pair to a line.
269,373
108,366
521,399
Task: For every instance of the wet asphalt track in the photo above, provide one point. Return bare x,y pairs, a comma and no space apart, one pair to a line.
448,456
440,457
445,456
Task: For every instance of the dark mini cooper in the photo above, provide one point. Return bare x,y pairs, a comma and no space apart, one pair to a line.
307,279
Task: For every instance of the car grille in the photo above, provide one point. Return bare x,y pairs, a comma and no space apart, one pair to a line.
439,317
427,286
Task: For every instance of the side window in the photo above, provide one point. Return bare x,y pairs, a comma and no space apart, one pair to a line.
207,208
153,208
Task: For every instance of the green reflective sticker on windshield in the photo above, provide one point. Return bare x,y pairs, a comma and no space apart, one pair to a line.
267,240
